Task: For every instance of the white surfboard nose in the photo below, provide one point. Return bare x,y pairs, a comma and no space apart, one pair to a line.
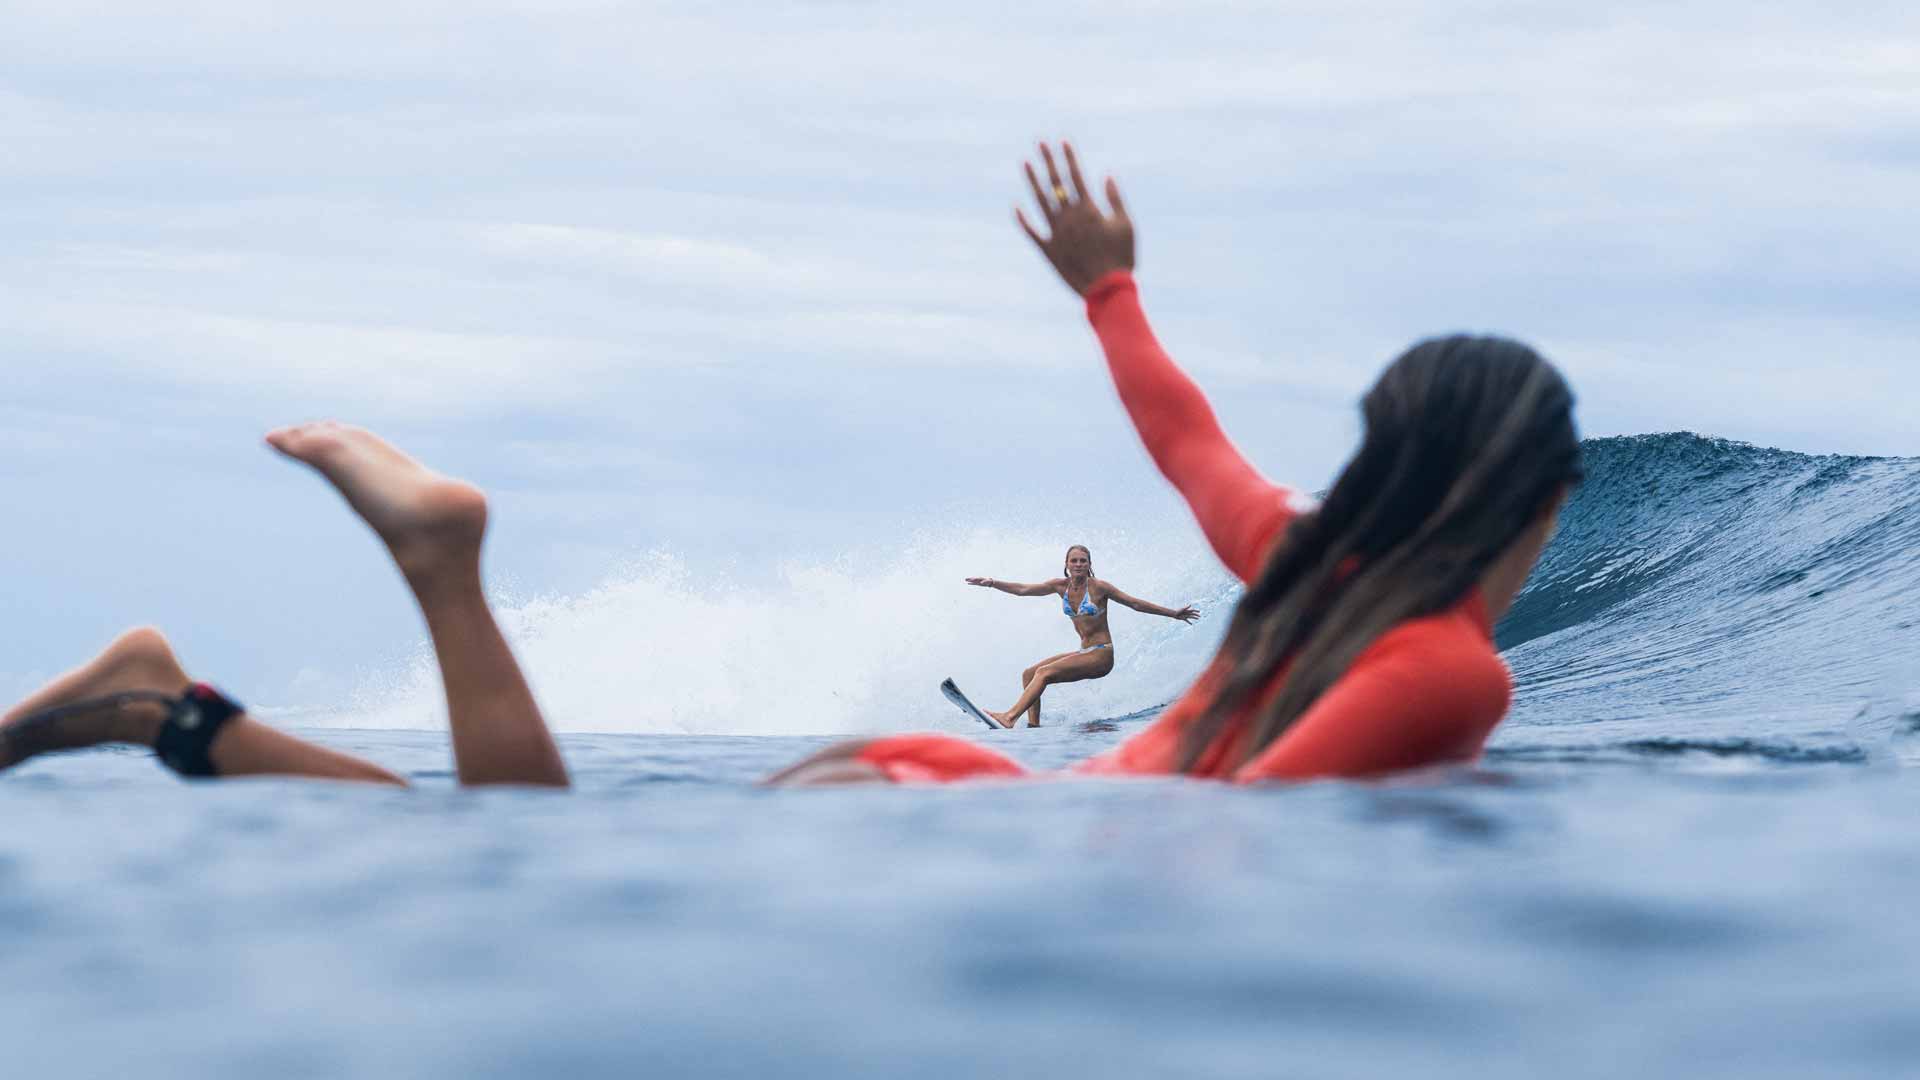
954,695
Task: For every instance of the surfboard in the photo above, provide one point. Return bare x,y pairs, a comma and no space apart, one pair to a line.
954,695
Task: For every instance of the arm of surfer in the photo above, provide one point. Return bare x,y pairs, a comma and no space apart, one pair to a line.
1014,588
1093,251
1186,614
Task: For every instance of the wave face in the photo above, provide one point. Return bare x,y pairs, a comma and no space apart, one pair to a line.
1713,597
1702,598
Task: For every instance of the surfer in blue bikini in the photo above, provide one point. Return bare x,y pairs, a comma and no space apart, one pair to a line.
1084,599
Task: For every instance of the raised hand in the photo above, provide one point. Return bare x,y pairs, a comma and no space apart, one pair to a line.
1083,243
1187,614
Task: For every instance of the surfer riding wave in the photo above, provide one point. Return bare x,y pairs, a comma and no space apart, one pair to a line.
1094,658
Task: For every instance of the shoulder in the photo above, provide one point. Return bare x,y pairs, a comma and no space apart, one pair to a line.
1428,691
1446,660
1270,518
1058,584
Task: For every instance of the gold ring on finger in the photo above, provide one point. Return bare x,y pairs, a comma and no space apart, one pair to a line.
1060,193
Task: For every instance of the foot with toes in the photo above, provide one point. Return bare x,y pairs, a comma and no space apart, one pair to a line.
431,523
137,661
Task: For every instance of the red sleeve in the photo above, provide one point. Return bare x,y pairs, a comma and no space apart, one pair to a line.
1238,509
1422,697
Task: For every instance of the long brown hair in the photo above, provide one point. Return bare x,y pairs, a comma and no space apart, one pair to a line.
1467,441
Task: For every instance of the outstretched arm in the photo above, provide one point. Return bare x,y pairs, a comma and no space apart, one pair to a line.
1014,588
1238,509
1186,614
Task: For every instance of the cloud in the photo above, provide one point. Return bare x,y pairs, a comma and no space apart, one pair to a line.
648,254
413,371
739,276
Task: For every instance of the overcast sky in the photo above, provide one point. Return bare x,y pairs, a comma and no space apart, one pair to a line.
738,282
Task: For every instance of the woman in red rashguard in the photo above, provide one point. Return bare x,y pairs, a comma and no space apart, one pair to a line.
1364,642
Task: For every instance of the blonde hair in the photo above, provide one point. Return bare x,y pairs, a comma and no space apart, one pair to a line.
1069,556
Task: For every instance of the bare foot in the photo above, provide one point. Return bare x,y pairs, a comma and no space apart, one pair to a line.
430,523
1004,719
136,660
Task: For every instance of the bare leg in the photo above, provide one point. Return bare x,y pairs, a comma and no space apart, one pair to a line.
433,526
140,660
1033,714
837,764
1073,668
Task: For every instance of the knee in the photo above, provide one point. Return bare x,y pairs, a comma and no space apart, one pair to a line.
140,639
1026,676
145,650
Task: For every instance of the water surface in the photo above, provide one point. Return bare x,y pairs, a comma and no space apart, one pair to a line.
1692,850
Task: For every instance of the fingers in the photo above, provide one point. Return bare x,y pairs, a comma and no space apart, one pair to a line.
1054,197
1114,200
1032,233
1039,193
1053,176
1073,170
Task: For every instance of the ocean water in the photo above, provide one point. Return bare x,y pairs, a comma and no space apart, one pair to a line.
1694,849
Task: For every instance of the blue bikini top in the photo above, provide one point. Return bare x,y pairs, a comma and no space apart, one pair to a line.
1087,606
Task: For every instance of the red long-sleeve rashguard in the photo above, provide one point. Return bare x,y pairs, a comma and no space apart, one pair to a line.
1426,692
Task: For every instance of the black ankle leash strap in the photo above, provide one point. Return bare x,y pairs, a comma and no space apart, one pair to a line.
194,720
